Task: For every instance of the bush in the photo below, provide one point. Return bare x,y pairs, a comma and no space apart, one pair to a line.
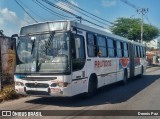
9,93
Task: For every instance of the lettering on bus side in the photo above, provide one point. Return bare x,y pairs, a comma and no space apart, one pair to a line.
103,63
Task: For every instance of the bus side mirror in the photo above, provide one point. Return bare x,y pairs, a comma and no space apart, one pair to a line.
14,36
13,41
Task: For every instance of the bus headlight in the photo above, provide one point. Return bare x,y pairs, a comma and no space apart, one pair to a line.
62,84
53,84
17,83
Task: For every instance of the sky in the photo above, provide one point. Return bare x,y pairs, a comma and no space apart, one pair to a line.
13,17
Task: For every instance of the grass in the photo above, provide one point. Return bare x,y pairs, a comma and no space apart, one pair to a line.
8,93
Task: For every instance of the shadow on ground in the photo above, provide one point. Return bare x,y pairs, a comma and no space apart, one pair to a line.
112,94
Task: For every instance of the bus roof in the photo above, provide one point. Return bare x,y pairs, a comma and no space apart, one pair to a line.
101,32
90,29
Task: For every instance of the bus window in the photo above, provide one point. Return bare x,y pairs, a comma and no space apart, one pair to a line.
101,42
138,52
91,44
141,51
135,51
119,49
78,53
125,49
111,52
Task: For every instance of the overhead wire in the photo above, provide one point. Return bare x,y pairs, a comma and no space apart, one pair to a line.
69,12
50,10
73,7
130,4
148,19
26,11
137,8
86,11
32,10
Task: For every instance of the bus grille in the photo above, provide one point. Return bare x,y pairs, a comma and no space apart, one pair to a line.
37,85
37,93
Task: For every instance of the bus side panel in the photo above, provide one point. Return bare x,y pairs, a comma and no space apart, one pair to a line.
107,70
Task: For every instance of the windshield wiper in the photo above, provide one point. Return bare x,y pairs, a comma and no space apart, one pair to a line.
33,45
48,43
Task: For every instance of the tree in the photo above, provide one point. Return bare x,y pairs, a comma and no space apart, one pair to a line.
131,29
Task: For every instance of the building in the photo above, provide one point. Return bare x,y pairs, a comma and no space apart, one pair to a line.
154,44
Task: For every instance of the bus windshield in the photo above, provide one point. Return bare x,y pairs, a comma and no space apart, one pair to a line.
44,53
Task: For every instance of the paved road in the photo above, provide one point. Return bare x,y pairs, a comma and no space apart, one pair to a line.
138,94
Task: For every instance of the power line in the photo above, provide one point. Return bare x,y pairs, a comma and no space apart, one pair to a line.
69,12
141,11
32,10
87,11
73,7
26,11
130,4
50,10
138,9
148,19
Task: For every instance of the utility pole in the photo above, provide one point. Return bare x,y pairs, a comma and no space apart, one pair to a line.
142,11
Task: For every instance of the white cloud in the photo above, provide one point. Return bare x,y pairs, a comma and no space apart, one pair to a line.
10,23
8,15
108,3
67,7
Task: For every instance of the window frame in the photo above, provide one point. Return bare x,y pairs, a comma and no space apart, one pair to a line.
113,48
125,50
95,44
119,48
106,49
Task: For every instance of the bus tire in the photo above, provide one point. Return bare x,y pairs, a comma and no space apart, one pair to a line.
142,71
125,77
92,87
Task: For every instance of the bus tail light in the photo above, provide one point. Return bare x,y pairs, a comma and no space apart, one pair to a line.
62,84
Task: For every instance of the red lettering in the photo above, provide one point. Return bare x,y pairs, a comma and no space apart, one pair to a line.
103,63
98,63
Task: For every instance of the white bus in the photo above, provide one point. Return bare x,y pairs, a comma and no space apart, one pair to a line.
65,58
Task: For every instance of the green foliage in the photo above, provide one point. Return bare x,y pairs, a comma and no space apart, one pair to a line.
131,29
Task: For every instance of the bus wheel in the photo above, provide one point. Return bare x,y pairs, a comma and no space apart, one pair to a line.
125,76
92,87
141,74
